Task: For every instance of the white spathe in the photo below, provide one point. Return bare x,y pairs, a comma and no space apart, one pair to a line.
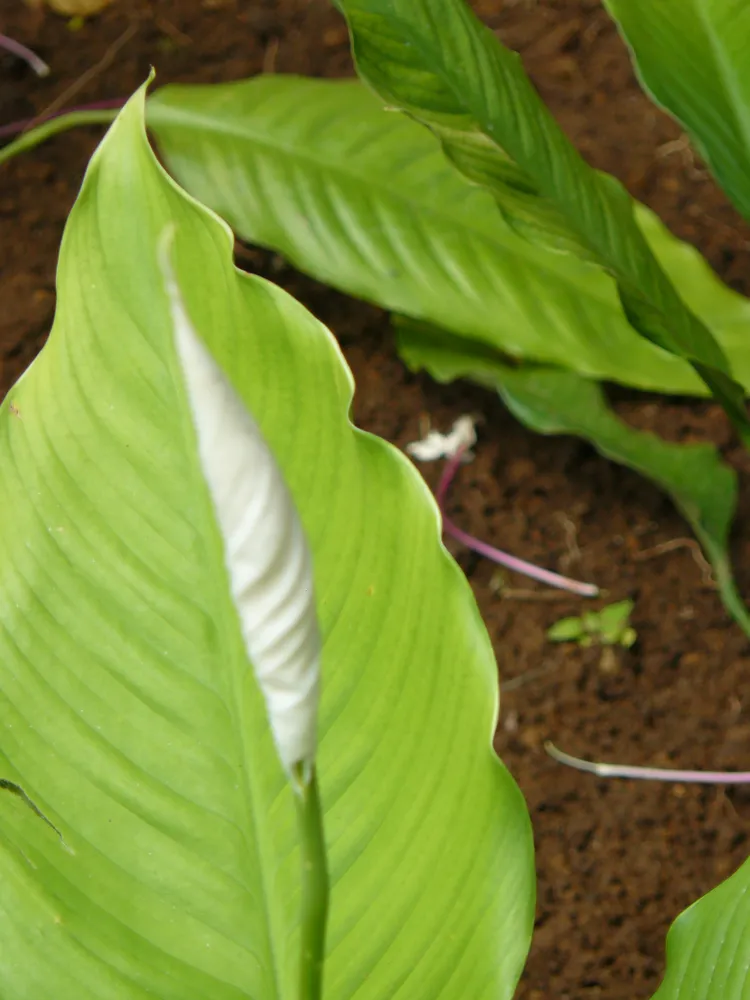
265,549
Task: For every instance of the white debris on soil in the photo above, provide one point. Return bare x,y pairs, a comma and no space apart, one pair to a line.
435,445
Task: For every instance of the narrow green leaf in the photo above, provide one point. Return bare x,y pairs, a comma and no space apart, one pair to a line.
692,56
708,946
434,60
363,199
550,401
130,715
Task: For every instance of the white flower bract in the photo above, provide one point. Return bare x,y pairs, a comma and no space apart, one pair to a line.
265,550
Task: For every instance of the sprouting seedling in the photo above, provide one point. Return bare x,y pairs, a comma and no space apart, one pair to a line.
269,566
608,627
455,446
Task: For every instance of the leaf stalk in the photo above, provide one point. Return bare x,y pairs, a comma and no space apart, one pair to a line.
545,576
315,886
39,66
647,773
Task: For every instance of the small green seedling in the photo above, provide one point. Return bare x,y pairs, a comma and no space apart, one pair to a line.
608,627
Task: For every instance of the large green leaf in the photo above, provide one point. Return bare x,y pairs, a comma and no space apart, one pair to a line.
364,200
692,55
130,715
708,946
551,401
436,61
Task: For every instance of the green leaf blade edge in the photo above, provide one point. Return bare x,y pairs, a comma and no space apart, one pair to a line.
363,199
435,60
708,945
131,716
691,56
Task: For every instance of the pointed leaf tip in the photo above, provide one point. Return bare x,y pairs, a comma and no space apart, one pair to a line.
265,549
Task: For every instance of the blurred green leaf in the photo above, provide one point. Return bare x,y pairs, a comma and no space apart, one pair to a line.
437,62
565,630
708,946
613,618
364,200
550,401
692,56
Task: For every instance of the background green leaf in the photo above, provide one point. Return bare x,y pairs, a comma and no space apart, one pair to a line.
129,711
692,56
708,946
364,200
435,60
550,401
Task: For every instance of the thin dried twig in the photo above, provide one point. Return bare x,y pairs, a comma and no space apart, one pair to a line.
91,73
532,596
269,56
176,34
573,554
683,147
30,57
526,677
707,576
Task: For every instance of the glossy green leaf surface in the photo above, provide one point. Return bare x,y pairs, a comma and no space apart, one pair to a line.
550,401
434,60
130,714
708,946
692,56
364,200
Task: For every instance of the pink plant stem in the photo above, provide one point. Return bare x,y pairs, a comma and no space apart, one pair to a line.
497,555
14,128
39,66
648,773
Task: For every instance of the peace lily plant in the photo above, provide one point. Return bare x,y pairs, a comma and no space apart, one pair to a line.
194,530
182,433
270,578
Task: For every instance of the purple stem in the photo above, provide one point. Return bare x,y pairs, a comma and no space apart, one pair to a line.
13,128
497,555
39,66
648,773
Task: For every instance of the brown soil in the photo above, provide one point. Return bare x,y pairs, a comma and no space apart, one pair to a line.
617,861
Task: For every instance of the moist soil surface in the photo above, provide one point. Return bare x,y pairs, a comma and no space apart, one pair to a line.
616,861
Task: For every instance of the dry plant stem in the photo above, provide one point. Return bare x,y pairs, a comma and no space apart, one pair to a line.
681,543
648,773
497,555
534,596
30,57
39,66
91,73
